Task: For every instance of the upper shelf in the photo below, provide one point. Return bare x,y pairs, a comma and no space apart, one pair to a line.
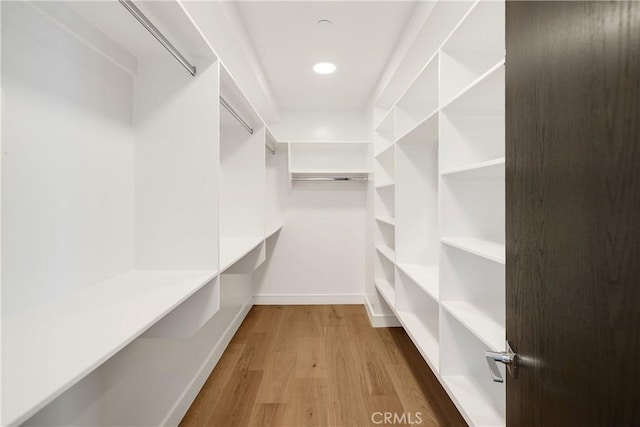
60,343
87,19
474,47
387,124
420,100
331,157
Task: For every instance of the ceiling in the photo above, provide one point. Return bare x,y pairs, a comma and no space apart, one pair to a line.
288,41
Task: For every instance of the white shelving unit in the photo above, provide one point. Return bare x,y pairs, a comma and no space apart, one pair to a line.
242,176
127,200
439,188
329,159
97,245
419,101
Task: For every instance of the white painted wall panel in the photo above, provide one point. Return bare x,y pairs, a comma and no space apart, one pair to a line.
320,252
68,144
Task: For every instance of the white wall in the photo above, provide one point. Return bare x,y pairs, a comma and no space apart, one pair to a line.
82,179
318,257
321,125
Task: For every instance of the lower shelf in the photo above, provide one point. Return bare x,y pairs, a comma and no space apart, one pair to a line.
387,252
470,398
489,331
234,248
424,341
425,277
388,292
47,350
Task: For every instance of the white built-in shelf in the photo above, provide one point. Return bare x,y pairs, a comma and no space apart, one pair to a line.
485,328
387,252
386,125
489,169
52,347
420,100
329,157
232,249
273,230
472,125
387,291
386,220
386,151
386,185
425,277
426,343
474,46
425,130
471,400
477,95
484,248
330,172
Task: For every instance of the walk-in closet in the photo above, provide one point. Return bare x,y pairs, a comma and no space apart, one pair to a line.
319,213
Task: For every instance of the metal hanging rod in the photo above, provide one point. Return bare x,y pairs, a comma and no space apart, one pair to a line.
146,23
235,115
158,35
332,178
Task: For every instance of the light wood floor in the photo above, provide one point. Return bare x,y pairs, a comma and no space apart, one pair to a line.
319,366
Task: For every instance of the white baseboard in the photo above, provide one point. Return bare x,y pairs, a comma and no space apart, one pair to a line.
182,405
380,320
307,299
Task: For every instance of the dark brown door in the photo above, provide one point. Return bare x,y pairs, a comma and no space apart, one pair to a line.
573,212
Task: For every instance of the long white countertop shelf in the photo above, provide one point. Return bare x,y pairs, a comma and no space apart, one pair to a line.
232,249
47,350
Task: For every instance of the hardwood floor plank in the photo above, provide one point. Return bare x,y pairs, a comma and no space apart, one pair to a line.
268,415
312,358
267,376
278,378
236,403
213,388
312,406
348,385
268,318
254,355
248,325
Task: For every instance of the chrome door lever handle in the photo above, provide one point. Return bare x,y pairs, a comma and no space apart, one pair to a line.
508,358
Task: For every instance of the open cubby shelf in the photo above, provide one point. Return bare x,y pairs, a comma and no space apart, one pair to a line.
441,183
424,277
387,291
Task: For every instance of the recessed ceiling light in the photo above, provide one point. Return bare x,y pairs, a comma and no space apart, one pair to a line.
324,67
